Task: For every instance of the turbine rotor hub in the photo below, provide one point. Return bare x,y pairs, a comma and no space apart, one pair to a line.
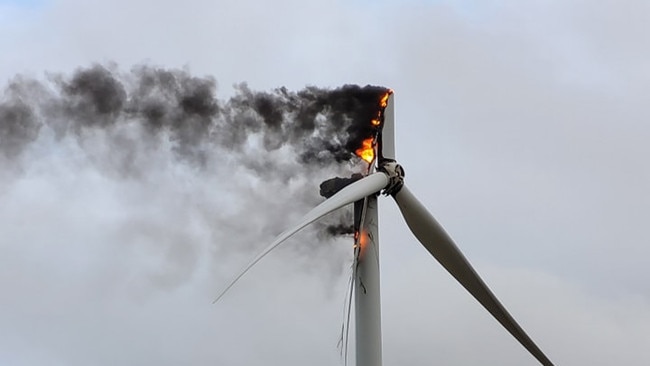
395,174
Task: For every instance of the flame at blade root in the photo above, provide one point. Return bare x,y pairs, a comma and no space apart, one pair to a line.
367,150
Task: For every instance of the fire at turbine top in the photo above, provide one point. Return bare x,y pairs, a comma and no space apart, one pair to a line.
321,126
367,149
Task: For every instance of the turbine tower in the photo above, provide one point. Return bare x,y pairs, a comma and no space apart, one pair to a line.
386,176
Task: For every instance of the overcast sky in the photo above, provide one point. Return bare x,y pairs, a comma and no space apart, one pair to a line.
523,126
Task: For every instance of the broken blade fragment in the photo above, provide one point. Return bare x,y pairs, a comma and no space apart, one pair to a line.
331,186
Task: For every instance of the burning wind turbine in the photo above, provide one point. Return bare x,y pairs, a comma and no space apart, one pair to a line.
157,105
386,176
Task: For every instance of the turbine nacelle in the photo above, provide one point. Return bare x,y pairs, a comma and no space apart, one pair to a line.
395,174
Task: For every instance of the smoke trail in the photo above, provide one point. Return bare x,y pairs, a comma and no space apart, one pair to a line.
323,126
182,164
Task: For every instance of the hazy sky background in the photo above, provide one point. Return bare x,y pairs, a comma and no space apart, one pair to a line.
521,125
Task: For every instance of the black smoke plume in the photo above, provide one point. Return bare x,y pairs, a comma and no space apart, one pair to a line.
322,126
148,106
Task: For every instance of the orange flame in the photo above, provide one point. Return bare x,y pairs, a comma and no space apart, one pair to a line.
363,239
366,151
384,100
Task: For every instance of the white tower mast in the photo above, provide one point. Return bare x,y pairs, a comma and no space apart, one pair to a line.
367,289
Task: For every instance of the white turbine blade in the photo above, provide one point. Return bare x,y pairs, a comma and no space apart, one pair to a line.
434,238
351,193
387,144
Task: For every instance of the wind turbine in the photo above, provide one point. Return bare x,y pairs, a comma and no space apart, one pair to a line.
386,176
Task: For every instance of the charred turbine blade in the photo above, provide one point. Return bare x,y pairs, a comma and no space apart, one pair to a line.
434,238
331,186
351,193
